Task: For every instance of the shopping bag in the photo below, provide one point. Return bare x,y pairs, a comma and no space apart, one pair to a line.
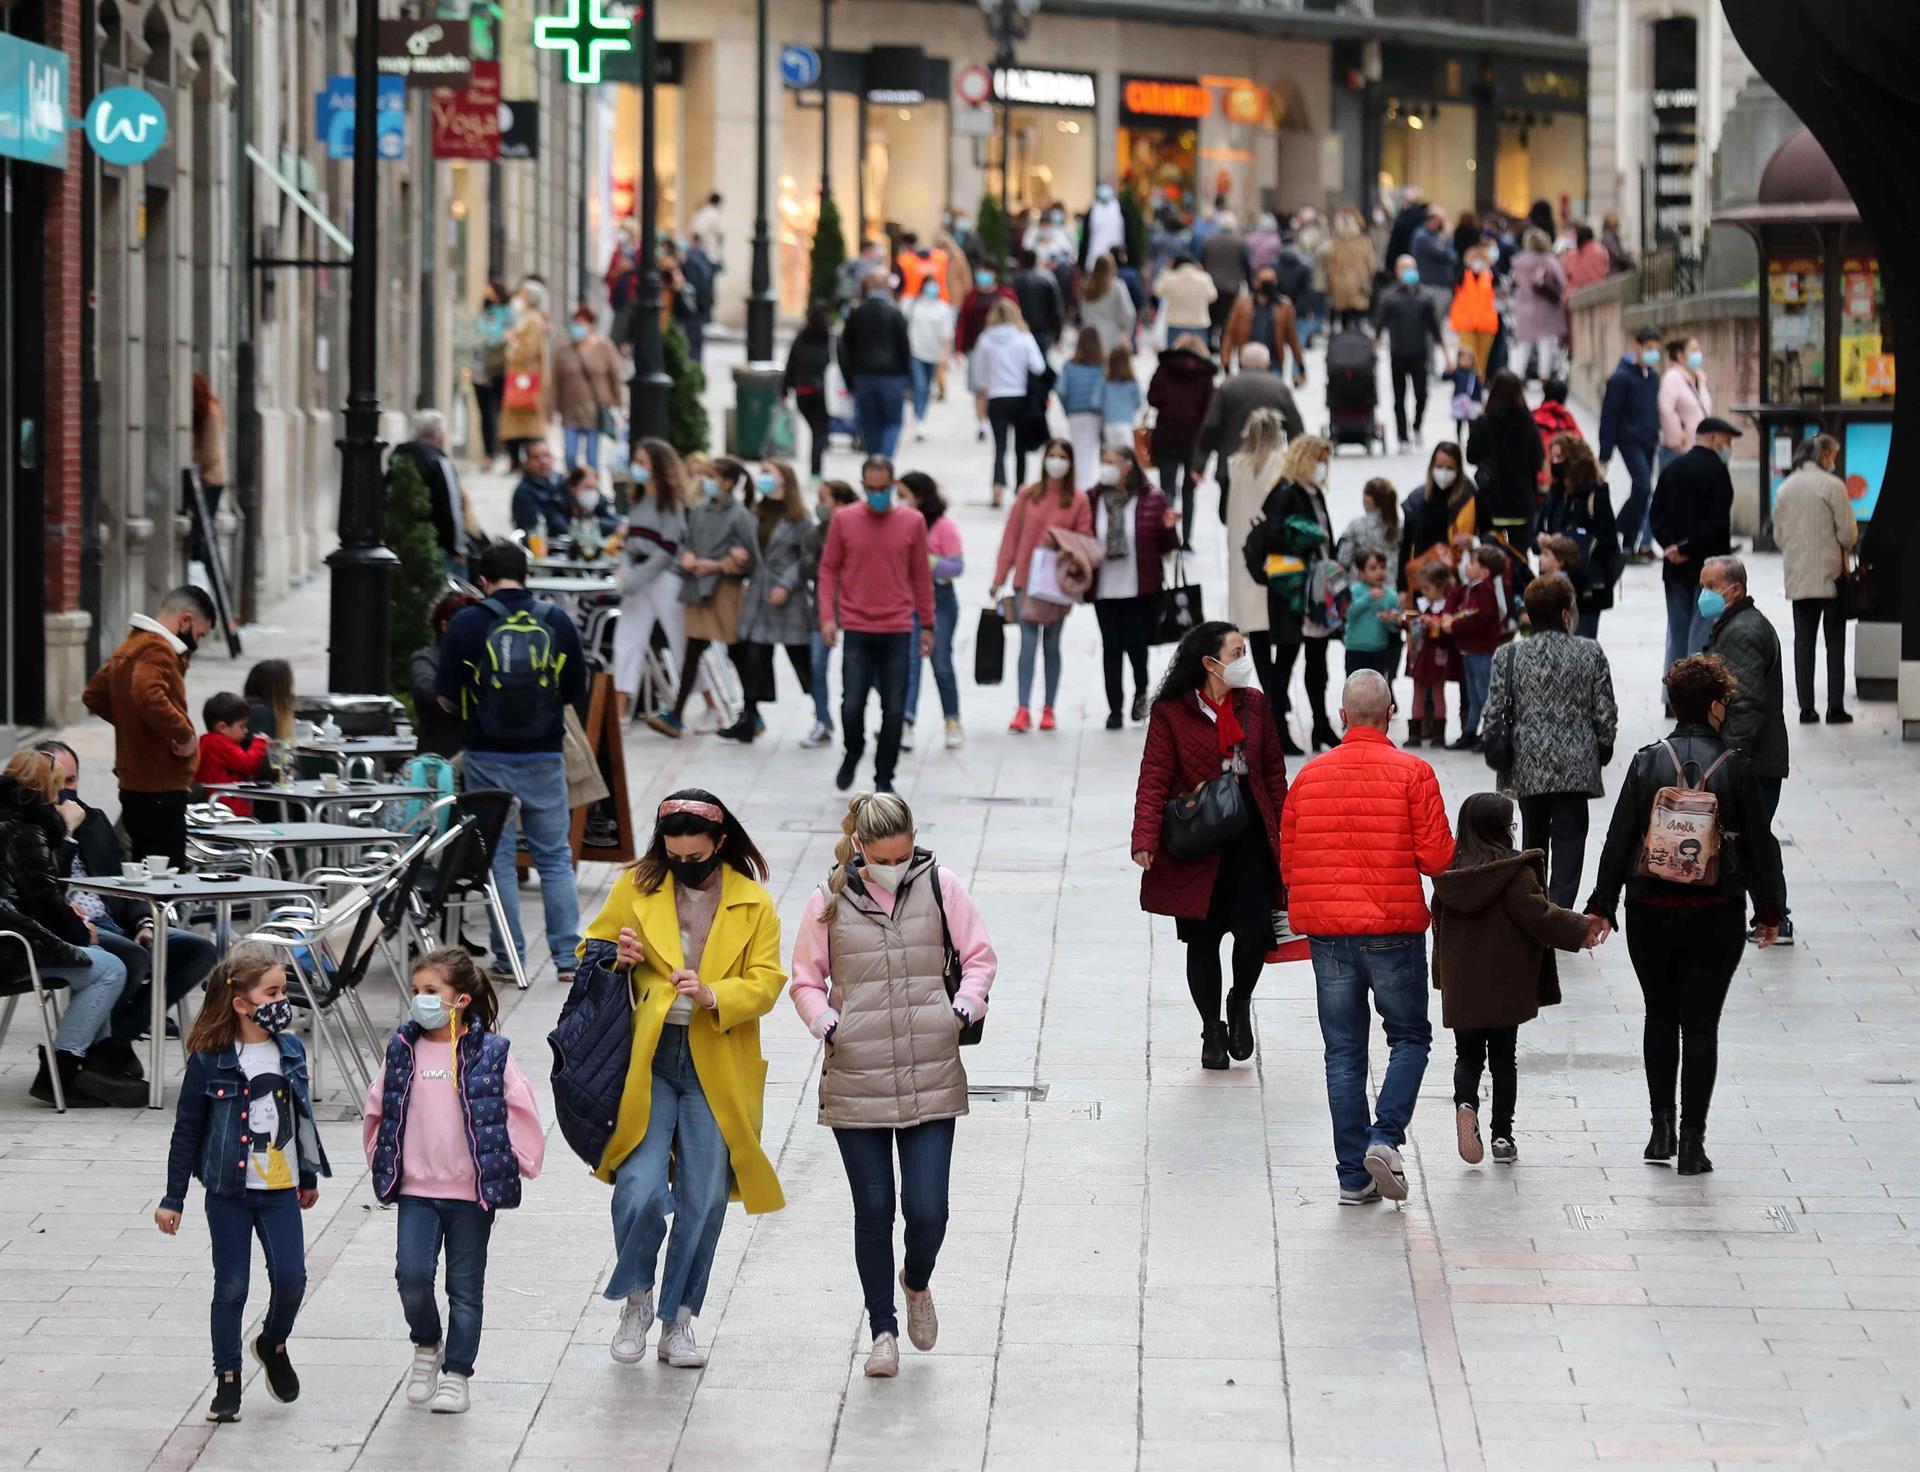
990,649
781,438
523,390
1179,609
1143,440
1855,590
839,396
1043,578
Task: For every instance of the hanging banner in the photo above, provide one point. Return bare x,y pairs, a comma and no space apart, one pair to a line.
466,121
334,118
520,128
426,53
33,103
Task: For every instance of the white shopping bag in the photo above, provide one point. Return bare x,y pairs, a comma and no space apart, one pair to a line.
839,396
1043,577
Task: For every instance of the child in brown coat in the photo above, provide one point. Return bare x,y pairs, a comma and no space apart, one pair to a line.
1494,935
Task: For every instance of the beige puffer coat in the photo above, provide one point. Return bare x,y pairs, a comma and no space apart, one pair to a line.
895,1057
1814,527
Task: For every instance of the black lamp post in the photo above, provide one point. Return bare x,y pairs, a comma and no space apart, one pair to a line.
826,101
1008,21
650,381
358,659
760,303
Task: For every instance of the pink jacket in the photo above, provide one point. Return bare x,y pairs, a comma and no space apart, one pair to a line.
813,960
1035,513
1682,406
435,1159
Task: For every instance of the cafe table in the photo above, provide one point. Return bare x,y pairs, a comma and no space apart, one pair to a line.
381,748
264,839
314,798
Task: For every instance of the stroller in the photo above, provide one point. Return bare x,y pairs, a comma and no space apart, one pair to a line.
1353,394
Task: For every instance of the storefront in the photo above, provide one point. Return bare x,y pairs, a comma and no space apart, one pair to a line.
1055,137
1158,144
669,136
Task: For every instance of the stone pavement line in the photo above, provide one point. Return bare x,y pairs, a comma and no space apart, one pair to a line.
1273,1204
1446,1370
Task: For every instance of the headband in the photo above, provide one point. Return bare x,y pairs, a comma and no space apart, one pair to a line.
712,812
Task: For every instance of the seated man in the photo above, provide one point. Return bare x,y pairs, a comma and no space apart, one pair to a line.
125,928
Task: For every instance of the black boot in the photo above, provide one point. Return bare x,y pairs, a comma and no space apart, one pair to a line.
1416,733
1240,1024
1213,1045
112,1056
741,730
1693,1154
1325,738
1287,744
1660,1144
69,1065
101,1086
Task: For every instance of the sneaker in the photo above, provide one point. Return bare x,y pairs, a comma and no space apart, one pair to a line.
849,768
1021,723
883,1360
923,1324
677,1346
666,724
450,1396
629,1345
1466,1125
1047,722
956,738
1384,1165
226,1397
282,1384
1785,938
424,1374
819,736
1359,1195
906,735
1505,1152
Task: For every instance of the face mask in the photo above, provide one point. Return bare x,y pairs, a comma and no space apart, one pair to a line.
577,331
880,501
1056,218
764,482
1238,674
1410,276
1696,360
587,500
930,291
889,875
1104,193
1726,455
189,638
709,488
273,1017
641,475
1055,466
1712,603
1558,470
1651,357
1444,476
429,1010
693,873
1109,475
983,280
1320,473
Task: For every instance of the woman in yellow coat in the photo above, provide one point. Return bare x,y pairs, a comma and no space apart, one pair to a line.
528,393
699,940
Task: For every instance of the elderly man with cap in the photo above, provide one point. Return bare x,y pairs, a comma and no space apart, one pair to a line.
1692,519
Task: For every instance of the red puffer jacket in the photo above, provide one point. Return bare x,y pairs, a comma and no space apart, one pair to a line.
1183,751
1361,826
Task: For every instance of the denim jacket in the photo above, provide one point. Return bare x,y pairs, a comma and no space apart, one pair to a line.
210,1125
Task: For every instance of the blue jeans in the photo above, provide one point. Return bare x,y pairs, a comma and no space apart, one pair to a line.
922,373
1479,671
91,993
1032,638
680,1129
232,1224
946,617
465,1227
869,662
822,708
926,1162
1635,534
584,441
539,780
1394,969
1687,628
879,400
190,957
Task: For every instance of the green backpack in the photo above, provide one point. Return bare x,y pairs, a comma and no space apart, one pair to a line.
517,682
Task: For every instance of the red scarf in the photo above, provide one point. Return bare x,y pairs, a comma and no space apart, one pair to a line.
1226,724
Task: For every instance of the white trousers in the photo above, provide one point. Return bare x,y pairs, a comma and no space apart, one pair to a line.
1083,432
658,602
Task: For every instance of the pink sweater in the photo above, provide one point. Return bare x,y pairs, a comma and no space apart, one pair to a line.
813,955
435,1159
875,570
1033,516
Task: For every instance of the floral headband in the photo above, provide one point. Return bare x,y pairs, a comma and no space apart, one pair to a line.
712,812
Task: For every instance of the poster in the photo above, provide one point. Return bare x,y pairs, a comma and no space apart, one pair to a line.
466,121
1856,351
1866,462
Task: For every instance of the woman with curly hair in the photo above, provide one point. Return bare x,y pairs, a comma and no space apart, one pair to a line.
1578,506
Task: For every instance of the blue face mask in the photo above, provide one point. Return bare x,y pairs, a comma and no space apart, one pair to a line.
1651,357
983,280
930,290
1712,603
1410,276
1696,360
765,482
881,501
429,1010
641,475
709,488
577,331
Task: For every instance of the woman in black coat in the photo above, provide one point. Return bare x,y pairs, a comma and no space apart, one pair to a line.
1579,507
806,378
1299,498
1179,393
1431,509
1504,446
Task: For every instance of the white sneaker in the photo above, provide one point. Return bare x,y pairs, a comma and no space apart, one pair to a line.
817,737
630,1335
956,738
923,1324
1389,1174
906,736
677,1346
450,1396
421,1378
883,1361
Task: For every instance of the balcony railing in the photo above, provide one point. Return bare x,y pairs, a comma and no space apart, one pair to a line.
1544,17
1666,273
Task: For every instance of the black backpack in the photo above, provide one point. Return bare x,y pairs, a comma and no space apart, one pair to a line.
517,683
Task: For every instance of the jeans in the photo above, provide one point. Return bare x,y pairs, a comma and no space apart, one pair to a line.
1556,823
879,401
539,780
465,1227
1635,534
1479,669
1126,626
156,823
1006,415
91,993
1405,373
1809,615
1393,968
921,373
946,617
1687,629
581,447
1685,960
190,958
1032,638
871,662
1493,1046
926,1161
232,1224
822,708
680,1130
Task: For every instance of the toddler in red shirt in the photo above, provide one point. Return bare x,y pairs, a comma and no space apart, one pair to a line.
228,751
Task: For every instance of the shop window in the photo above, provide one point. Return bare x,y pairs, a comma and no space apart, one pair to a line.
1866,331
1796,328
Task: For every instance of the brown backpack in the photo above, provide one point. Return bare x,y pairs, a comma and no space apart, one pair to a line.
1682,845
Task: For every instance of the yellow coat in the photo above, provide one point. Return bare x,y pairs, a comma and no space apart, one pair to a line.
741,963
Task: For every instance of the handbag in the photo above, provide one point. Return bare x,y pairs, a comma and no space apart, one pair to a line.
1143,440
1855,590
610,423
1205,820
990,649
1496,732
1178,608
950,971
523,390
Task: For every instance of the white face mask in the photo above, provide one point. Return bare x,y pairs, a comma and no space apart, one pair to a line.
1238,674
1444,476
1056,466
886,875
1320,473
1109,475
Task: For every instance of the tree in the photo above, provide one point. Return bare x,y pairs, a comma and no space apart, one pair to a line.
687,427
421,578
829,255
992,228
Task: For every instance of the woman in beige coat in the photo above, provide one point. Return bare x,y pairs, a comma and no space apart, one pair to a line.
1350,264
528,393
1814,526
1252,472
586,387
869,979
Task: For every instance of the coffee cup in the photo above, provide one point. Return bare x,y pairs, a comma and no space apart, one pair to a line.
330,781
158,865
132,871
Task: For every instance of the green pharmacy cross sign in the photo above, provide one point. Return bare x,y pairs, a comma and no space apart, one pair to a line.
583,37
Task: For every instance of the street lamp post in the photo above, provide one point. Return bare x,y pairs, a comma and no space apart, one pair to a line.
650,381
760,303
357,656
826,101
1008,22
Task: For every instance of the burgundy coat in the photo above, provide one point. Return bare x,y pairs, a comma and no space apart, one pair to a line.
1183,752
1153,539
1179,392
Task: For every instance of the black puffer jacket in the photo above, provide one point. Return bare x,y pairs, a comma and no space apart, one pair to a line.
31,900
1504,446
1749,853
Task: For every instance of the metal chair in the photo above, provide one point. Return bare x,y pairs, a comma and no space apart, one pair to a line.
43,994
461,872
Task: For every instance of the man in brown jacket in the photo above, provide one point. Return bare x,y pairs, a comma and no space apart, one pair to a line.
141,691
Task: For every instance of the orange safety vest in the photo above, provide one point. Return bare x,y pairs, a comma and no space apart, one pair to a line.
1473,309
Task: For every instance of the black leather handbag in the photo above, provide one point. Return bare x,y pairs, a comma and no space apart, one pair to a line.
1207,819
951,969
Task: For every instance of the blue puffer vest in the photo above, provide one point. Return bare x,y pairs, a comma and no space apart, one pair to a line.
483,1101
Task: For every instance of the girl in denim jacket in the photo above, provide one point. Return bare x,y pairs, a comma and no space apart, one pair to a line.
244,1125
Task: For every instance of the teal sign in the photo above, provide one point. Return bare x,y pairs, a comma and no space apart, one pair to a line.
126,126
33,102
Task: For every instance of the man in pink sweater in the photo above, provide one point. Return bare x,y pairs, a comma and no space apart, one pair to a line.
875,575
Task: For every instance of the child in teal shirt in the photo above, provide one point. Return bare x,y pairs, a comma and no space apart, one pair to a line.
1371,618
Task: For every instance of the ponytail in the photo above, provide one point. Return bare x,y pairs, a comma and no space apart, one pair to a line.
871,817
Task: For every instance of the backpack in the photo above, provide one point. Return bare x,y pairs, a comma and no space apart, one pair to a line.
518,684
1683,839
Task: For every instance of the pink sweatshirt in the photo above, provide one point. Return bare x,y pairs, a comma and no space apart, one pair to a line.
434,1157
875,570
1034,515
813,958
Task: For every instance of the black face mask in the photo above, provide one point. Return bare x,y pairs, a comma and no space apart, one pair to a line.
1558,470
693,873
189,638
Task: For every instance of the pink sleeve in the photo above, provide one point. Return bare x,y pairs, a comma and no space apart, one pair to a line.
812,964
1082,513
944,538
370,1111
524,1130
978,961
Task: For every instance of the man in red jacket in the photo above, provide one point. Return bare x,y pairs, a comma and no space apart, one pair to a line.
1360,826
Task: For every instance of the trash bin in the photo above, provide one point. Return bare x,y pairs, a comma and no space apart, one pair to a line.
756,394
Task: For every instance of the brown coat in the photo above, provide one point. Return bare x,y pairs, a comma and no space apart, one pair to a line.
586,379
210,445
1494,935
1239,331
1350,267
527,353
141,691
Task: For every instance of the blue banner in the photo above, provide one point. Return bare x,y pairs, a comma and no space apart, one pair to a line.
334,117
33,102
